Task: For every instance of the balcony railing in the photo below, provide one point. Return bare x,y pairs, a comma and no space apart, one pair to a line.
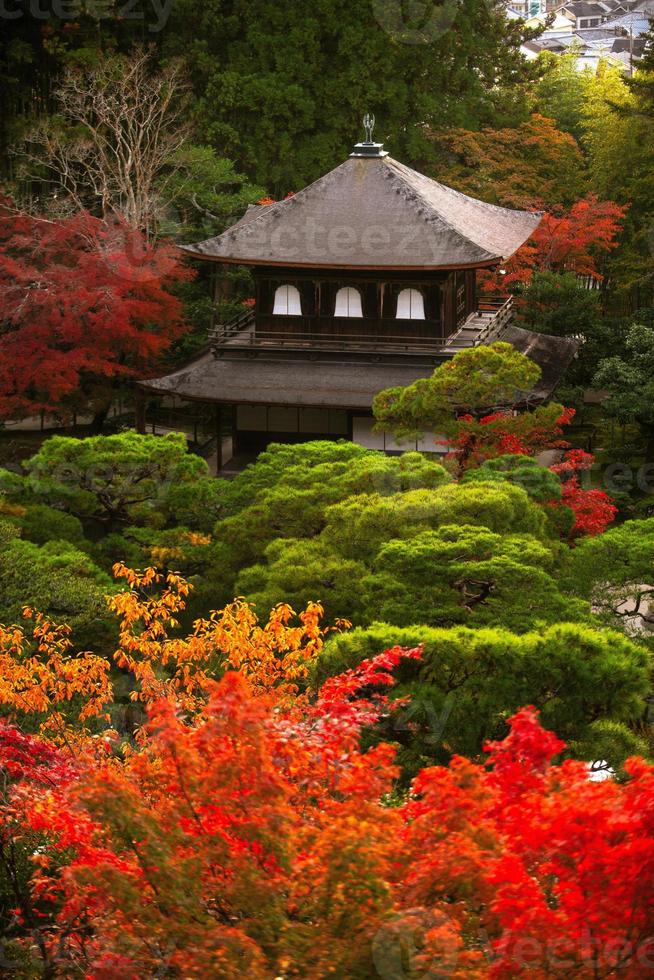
329,334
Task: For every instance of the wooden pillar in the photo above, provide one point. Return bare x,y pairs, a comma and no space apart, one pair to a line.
140,412
471,291
219,439
449,312
214,290
235,439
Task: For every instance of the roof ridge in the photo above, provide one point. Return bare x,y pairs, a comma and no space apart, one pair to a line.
397,177
266,210
396,169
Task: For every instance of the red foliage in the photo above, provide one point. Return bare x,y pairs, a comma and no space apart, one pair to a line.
555,866
27,759
504,433
212,835
83,301
593,509
573,461
338,695
527,434
267,200
570,242
253,842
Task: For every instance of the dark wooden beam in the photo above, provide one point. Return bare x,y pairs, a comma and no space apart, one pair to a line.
139,409
219,438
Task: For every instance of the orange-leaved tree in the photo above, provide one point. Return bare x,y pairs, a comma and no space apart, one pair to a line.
42,677
250,839
275,655
258,843
248,831
574,240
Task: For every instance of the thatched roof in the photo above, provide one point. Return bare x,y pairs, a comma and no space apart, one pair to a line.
552,354
373,213
276,380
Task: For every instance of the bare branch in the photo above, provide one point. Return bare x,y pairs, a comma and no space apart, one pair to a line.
119,128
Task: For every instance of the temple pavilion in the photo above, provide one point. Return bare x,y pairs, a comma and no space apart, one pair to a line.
365,279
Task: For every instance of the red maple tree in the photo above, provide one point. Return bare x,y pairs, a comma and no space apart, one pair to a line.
83,302
261,841
516,432
571,241
253,836
545,872
249,829
528,434
593,509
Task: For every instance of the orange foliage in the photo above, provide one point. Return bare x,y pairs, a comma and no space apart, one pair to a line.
161,555
275,655
11,509
250,839
257,837
254,843
532,166
573,241
40,675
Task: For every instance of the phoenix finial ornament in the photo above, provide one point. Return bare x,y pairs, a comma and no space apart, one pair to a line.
369,125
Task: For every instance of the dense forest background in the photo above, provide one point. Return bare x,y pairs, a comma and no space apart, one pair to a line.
246,102
273,96
281,89
336,774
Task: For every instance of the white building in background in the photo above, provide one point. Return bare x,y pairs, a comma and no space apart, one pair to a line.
526,8
600,29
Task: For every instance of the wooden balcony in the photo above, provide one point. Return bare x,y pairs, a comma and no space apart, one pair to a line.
379,336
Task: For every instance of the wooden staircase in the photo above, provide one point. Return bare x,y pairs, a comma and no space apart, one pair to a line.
485,325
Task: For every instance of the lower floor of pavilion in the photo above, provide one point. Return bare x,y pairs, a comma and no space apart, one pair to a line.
254,399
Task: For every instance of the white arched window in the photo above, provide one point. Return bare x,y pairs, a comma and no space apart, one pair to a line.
287,301
410,305
348,302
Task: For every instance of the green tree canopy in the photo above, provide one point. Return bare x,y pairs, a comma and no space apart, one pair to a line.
286,494
456,554
360,525
615,572
557,303
462,574
59,581
477,381
629,377
562,90
280,459
125,478
540,483
282,89
470,681
618,116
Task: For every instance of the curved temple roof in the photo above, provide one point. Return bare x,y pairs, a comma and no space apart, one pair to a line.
373,213
335,384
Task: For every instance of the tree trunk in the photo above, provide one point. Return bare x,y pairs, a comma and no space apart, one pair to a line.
649,449
99,419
